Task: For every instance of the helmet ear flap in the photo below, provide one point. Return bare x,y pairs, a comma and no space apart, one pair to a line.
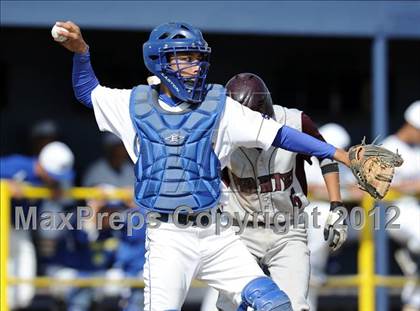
153,57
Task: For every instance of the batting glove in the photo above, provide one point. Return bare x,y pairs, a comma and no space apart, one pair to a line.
335,229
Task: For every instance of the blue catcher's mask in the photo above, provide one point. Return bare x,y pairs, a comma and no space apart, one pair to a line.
170,39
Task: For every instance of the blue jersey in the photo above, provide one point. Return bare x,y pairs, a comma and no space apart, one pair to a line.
19,167
75,249
131,249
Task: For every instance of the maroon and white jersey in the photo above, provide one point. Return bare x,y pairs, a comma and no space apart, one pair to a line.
270,180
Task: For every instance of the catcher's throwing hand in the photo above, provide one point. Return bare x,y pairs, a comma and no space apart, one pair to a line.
335,229
373,167
75,42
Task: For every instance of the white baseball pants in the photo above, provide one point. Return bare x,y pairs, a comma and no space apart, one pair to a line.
175,256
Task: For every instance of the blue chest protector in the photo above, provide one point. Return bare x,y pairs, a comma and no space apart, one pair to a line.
177,166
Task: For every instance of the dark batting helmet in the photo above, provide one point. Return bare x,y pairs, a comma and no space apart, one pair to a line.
251,91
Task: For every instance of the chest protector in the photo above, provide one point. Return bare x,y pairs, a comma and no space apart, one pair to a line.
176,164
266,181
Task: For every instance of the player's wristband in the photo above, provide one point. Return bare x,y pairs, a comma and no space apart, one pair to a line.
335,204
329,168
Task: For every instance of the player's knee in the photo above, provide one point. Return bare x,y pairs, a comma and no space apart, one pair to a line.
262,294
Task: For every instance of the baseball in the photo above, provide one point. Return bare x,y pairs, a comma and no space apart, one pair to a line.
57,37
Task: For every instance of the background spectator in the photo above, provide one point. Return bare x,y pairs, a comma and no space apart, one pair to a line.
407,181
53,166
113,169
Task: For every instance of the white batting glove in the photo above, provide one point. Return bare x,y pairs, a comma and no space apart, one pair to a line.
335,229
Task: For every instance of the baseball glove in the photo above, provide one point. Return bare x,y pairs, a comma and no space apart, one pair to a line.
373,167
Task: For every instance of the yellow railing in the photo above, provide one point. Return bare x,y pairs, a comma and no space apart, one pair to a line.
39,193
86,282
4,242
366,279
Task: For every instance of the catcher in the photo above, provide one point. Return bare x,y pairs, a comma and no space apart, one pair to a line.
186,125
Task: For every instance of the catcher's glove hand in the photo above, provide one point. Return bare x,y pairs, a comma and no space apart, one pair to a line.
335,229
373,167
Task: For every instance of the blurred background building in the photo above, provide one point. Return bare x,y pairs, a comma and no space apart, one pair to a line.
316,56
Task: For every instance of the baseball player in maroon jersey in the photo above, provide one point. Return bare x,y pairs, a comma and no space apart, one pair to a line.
269,195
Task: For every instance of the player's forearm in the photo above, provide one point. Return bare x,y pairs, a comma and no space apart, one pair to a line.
332,182
296,141
342,156
83,78
410,187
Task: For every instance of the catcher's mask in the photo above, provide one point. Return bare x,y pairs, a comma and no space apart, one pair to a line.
251,91
168,40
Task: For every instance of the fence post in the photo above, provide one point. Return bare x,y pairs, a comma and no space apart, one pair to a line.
366,264
380,127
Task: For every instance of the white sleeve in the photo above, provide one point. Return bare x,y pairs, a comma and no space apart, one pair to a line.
248,128
111,108
313,173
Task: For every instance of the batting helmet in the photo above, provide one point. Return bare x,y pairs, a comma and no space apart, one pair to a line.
251,91
170,39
